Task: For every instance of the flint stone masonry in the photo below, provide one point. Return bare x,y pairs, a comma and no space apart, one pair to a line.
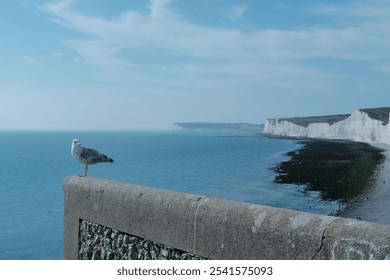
215,228
97,242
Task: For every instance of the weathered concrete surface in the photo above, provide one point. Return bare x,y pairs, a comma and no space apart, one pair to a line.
215,228
353,239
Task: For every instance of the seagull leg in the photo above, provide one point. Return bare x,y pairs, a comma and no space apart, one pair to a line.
85,171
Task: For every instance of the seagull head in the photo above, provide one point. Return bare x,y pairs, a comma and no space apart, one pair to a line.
76,142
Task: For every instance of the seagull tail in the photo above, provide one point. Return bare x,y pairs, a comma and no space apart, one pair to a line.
102,158
107,159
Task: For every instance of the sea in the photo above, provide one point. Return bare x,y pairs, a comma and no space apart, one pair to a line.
234,165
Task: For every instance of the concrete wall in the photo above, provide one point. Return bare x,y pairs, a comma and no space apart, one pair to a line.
213,228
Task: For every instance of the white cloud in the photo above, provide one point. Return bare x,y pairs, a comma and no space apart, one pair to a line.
236,12
29,59
134,31
382,67
373,9
159,8
163,51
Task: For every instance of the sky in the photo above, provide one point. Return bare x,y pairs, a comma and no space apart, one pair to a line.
144,65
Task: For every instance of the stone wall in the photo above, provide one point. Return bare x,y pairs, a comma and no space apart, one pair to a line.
195,226
97,242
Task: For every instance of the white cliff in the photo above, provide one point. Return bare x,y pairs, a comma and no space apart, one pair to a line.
363,125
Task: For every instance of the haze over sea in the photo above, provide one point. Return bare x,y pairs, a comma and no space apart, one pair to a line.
233,165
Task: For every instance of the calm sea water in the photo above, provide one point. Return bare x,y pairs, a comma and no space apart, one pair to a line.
220,164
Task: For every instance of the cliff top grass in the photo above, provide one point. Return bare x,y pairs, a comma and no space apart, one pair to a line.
381,114
339,170
305,121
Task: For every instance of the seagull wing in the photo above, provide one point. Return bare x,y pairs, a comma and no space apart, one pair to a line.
92,156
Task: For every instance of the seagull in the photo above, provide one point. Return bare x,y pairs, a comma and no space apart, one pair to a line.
87,156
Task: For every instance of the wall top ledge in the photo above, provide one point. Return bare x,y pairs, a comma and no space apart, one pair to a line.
219,229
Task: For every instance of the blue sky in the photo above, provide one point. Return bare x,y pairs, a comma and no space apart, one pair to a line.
140,65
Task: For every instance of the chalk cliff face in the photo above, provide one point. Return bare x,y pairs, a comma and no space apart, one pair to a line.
364,125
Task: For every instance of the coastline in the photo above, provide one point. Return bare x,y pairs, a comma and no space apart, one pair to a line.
339,170
375,205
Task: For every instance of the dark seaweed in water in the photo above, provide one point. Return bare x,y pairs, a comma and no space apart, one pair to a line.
340,170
